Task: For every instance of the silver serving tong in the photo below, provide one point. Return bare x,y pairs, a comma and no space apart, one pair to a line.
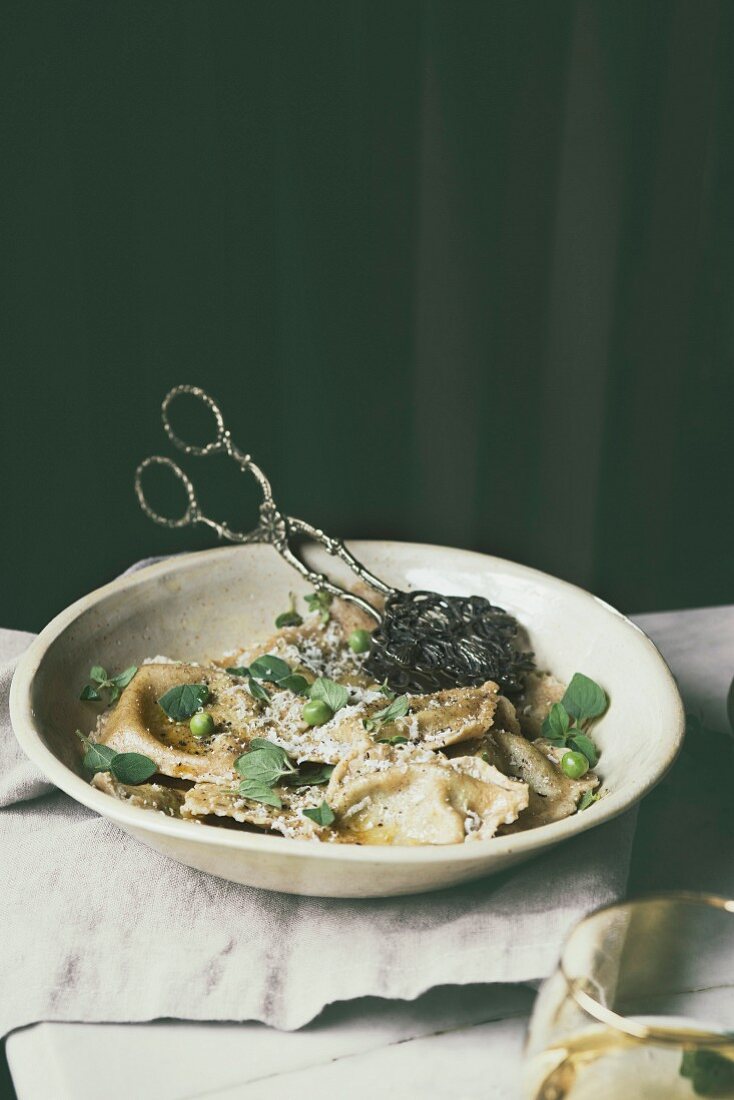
423,641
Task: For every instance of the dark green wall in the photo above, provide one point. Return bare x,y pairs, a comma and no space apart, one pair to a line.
459,272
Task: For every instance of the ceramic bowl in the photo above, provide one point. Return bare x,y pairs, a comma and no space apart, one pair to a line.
200,605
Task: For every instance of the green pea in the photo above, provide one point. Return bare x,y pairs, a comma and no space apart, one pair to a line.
316,712
574,765
202,724
359,641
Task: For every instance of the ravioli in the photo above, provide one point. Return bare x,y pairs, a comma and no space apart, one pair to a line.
405,795
553,795
138,723
446,717
222,800
281,722
148,796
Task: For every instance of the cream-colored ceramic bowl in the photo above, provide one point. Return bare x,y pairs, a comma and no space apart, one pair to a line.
201,605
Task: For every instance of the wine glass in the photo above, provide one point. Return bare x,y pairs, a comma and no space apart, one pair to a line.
641,1005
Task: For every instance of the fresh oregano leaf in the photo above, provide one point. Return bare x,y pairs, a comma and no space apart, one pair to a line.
687,1063
398,708
313,778
387,691
260,767
183,701
288,618
259,792
238,670
269,667
257,691
334,695
584,699
320,602
264,763
710,1073
262,744
132,768
123,678
295,682
580,742
98,757
587,799
555,727
398,739
106,688
323,815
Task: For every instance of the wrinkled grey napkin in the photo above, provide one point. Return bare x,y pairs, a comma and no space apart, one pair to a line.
98,927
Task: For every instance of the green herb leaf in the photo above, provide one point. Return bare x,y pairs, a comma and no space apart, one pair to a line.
264,763
687,1064
555,727
269,746
295,682
259,792
710,1073
123,678
387,691
291,616
584,698
98,757
323,815
183,700
288,618
260,767
269,667
313,778
398,708
101,683
132,768
587,799
334,695
321,602
579,742
398,739
238,670
257,691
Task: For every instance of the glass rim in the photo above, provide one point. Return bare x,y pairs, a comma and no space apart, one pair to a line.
635,1030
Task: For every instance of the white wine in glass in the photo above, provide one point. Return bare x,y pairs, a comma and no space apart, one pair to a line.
610,1022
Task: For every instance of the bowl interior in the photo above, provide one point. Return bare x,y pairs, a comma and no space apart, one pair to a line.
202,605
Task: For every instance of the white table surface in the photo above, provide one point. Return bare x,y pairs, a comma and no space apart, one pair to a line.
463,1043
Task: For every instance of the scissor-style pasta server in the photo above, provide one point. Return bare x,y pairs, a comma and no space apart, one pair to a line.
422,642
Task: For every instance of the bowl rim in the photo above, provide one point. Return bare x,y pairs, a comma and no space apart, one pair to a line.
137,819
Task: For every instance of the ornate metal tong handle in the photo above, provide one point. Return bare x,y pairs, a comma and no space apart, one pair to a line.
273,527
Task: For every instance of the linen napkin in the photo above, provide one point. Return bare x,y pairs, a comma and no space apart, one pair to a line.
98,927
